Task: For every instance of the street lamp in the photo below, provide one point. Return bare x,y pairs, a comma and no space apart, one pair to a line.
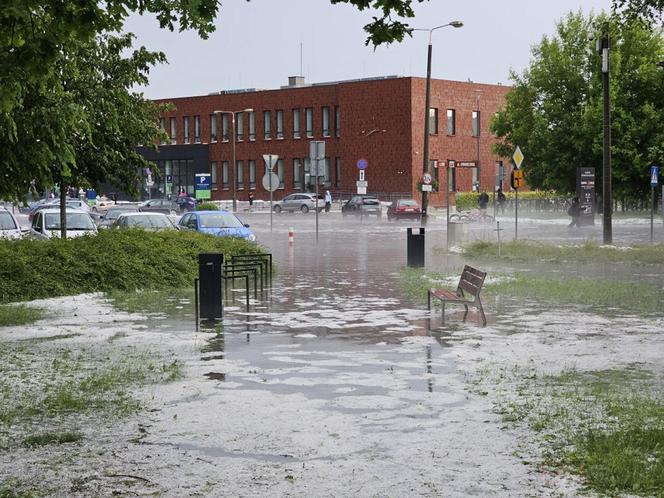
233,113
425,158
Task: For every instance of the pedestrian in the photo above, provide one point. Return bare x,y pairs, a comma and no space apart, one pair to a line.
251,200
483,201
328,201
575,212
501,200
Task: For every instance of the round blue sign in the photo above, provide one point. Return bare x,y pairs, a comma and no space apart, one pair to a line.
362,164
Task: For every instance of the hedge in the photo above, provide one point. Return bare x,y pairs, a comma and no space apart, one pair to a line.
532,198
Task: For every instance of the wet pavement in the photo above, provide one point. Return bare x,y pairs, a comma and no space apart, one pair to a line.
333,383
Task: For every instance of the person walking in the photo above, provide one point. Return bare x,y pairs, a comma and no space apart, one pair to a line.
483,201
501,200
328,201
575,212
251,200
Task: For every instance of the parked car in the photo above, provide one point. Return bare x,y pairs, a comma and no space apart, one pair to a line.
145,221
303,202
55,204
185,203
364,205
404,209
164,206
219,223
46,224
9,227
113,213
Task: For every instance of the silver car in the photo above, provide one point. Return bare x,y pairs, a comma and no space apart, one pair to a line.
298,202
9,227
46,224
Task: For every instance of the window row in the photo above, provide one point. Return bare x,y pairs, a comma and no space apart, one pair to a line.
274,125
301,174
451,122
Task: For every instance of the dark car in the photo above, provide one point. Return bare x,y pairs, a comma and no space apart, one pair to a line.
404,209
113,214
164,206
362,205
186,203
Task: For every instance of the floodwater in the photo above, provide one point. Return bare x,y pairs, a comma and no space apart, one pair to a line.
332,383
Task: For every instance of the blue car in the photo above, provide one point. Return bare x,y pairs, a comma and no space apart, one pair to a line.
219,223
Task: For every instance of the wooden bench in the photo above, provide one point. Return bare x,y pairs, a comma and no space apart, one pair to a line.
467,292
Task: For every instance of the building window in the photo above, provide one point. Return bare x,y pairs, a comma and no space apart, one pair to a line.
213,175
252,126
451,122
280,125
309,121
326,121
240,175
267,125
239,126
337,121
252,174
476,180
197,129
224,175
433,121
326,174
476,123
225,128
213,128
307,173
297,173
296,123
280,172
337,172
174,131
451,176
186,129
433,169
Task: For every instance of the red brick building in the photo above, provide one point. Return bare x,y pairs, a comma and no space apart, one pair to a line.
380,120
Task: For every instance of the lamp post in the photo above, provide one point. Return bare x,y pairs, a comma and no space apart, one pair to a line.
233,113
425,158
604,46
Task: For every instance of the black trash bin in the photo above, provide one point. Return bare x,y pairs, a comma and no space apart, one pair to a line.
415,248
210,267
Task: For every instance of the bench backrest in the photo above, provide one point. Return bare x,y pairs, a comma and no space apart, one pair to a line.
471,281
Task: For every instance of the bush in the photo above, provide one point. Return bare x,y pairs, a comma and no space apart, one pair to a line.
531,199
114,259
207,206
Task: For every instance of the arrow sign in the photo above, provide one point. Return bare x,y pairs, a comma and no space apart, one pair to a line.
270,160
518,156
654,174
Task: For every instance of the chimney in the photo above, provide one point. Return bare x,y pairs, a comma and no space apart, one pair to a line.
295,81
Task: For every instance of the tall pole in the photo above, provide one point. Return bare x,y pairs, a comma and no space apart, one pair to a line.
234,165
425,155
316,204
606,152
652,213
479,171
270,185
447,203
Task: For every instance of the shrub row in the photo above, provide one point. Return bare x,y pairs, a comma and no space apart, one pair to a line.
114,259
539,199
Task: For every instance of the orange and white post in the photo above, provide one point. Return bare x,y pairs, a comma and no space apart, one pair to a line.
291,236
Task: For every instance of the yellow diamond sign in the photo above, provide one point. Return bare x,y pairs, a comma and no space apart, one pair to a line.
518,156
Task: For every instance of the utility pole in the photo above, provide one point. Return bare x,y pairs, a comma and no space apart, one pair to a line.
604,46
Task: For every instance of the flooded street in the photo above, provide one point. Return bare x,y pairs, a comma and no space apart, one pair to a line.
332,383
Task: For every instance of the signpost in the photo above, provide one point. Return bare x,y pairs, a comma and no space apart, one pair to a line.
654,180
202,188
316,156
426,182
269,182
451,164
362,184
149,183
517,182
585,191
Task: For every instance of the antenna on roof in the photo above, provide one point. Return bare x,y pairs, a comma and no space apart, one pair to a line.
301,73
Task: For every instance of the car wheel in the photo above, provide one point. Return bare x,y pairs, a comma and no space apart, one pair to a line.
277,209
304,209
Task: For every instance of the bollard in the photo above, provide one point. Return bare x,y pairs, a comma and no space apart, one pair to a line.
290,236
210,268
415,248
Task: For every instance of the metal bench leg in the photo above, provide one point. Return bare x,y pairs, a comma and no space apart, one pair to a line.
481,308
466,312
429,300
442,304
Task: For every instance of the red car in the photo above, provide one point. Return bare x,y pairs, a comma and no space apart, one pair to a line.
404,209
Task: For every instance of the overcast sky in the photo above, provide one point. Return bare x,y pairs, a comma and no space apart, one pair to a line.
257,43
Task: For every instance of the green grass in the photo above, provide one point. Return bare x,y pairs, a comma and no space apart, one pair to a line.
589,252
12,488
114,259
154,301
47,438
19,315
606,426
604,296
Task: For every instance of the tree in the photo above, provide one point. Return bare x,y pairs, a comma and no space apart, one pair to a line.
649,10
554,110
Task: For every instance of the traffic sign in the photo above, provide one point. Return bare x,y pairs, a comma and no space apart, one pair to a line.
427,188
202,187
169,178
270,182
654,176
518,156
426,179
361,175
362,164
362,184
517,179
270,160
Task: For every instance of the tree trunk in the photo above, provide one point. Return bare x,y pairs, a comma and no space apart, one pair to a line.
63,211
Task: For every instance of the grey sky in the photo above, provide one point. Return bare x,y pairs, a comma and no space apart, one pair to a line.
257,43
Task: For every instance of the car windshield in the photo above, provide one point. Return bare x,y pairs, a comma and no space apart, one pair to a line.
147,221
75,221
6,221
114,214
370,201
408,202
219,220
